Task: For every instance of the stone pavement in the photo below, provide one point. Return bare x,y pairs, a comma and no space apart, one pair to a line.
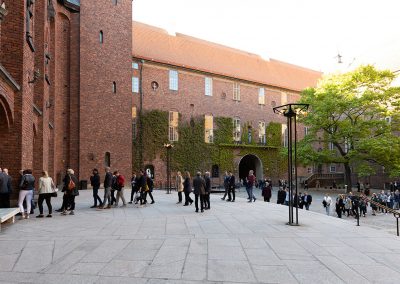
167,243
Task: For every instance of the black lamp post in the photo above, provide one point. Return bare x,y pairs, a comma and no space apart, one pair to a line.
168,146
290,111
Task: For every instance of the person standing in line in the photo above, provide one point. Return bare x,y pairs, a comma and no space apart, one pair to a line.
5,188
46,189
207,191
307,199
120,183
231,185
339,205
95,182
71,190
26,186
327,203
199,191
226,185
187,189
179,186
250,184
107,188
134,187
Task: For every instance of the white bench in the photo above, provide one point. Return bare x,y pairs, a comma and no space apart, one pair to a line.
8,215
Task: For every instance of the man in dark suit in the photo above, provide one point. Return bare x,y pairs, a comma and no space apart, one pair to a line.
5,189
307,199
199,186
231,192
207,190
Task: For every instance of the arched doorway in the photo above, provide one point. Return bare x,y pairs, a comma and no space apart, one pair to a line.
5,153
250,162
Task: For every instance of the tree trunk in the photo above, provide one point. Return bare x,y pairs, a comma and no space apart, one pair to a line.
347,176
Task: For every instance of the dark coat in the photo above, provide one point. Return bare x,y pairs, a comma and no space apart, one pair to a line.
66,180
108,180
232,182
267,192
208,184
27,182
95,181
307,199
4,183
281,196
187,187
199,185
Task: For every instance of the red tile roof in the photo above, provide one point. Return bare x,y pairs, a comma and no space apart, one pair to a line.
155,44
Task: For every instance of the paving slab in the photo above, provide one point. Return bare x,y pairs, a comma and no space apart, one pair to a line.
167,243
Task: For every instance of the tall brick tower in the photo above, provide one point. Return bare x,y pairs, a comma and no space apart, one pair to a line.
105,86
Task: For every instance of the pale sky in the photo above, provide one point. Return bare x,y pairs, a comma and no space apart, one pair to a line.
308,33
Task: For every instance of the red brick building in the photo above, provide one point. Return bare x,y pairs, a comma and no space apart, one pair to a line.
65,95
195,78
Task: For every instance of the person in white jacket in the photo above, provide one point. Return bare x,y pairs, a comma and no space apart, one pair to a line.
327,203
46,190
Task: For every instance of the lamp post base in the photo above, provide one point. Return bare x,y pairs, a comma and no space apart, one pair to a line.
292,224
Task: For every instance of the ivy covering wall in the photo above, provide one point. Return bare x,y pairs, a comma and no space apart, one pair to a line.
191,152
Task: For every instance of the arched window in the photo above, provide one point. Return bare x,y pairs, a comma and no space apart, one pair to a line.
107,159
114,87
101,37
215,171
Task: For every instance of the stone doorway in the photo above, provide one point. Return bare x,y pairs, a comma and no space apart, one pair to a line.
250,162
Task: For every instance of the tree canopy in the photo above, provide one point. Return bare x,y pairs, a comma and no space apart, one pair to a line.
353,119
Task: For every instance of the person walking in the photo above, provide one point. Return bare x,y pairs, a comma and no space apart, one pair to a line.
120,183
134,187
232,185
46,190
251,178
149,189
187,189
199,191
26,186
339,205
226,185
71,191
179,186
207,191
307,199
114,188
107,188
95,182
5,189
327,203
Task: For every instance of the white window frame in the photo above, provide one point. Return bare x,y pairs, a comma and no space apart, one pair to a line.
332,168
285,135
209,132
261,96
236,91
306,130
309,170
208,86
331,146
135,84
262,137
173,129
237,130
135,65
173,80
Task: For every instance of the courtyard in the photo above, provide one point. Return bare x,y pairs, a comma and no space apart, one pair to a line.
167,243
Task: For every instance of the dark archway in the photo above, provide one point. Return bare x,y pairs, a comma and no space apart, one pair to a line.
250,162
4,130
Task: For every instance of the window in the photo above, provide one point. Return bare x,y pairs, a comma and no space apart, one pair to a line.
173,80
173,126
346,145
331,146
388,119
284,99
115,2
101,37
208,85
332,168
261,96
107,159
249,135
237,135
134,128
306,130
135,85
135,65
309,170
209,129
236,91
285,135
261,133
114,87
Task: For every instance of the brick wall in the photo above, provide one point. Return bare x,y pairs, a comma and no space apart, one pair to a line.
105,117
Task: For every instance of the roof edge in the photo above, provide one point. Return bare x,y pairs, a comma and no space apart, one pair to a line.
9,79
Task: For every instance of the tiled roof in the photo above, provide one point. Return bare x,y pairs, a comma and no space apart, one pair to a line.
155,44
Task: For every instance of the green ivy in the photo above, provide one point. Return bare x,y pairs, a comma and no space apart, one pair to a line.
274,134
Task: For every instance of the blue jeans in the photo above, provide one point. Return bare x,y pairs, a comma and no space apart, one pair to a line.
250,193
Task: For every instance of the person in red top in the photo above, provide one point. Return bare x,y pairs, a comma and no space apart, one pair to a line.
251,180
120,189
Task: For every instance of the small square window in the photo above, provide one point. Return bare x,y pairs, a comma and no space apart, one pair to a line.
261,96
135,65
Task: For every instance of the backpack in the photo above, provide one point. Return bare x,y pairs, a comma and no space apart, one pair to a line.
71,184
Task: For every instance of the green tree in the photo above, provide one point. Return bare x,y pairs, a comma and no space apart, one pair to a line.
356,115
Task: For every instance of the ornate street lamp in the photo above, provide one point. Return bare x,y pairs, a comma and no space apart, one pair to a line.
168,146
290,111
